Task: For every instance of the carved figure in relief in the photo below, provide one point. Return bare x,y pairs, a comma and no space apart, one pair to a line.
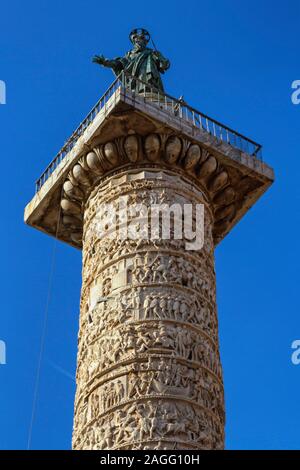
159,270
109,431
131,147
151,307
176,308
152,147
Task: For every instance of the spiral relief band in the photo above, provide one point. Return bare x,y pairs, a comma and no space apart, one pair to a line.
148,373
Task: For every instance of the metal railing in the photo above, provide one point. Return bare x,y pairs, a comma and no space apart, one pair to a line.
161,99
77,133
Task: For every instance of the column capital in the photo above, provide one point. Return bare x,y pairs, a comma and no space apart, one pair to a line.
132,133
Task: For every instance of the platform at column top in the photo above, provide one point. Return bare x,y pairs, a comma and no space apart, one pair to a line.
121,113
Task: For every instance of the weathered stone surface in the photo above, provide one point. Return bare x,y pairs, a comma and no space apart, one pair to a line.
149,372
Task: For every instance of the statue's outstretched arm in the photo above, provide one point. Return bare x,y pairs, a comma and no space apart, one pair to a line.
114,64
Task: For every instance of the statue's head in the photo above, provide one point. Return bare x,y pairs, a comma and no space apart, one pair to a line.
139,37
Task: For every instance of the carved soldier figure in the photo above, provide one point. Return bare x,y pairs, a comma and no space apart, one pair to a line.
108,434
95,404
164,336
184,311
163,306
146,306
154,426
153,308
143,422
176,308
160,270
119,391
133,386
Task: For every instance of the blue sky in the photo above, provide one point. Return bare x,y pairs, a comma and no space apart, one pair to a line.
232,60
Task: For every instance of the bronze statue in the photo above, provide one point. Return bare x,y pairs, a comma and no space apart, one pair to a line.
140,62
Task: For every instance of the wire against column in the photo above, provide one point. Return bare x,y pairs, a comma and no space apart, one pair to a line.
44,329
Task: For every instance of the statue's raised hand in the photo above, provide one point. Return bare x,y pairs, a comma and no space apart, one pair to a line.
99,59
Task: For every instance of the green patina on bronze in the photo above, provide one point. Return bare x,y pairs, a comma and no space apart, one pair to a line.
140,62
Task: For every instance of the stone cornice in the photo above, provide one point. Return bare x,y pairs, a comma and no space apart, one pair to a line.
233,180
161,151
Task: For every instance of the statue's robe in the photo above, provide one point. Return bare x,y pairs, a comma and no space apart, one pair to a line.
146,65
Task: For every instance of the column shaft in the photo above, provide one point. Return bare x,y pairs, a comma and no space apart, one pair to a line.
149,373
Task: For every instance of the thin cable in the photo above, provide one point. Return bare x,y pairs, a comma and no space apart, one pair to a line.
44,330
153,44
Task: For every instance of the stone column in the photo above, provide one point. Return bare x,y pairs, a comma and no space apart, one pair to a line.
149,373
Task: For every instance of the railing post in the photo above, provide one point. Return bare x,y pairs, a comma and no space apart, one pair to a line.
200,121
